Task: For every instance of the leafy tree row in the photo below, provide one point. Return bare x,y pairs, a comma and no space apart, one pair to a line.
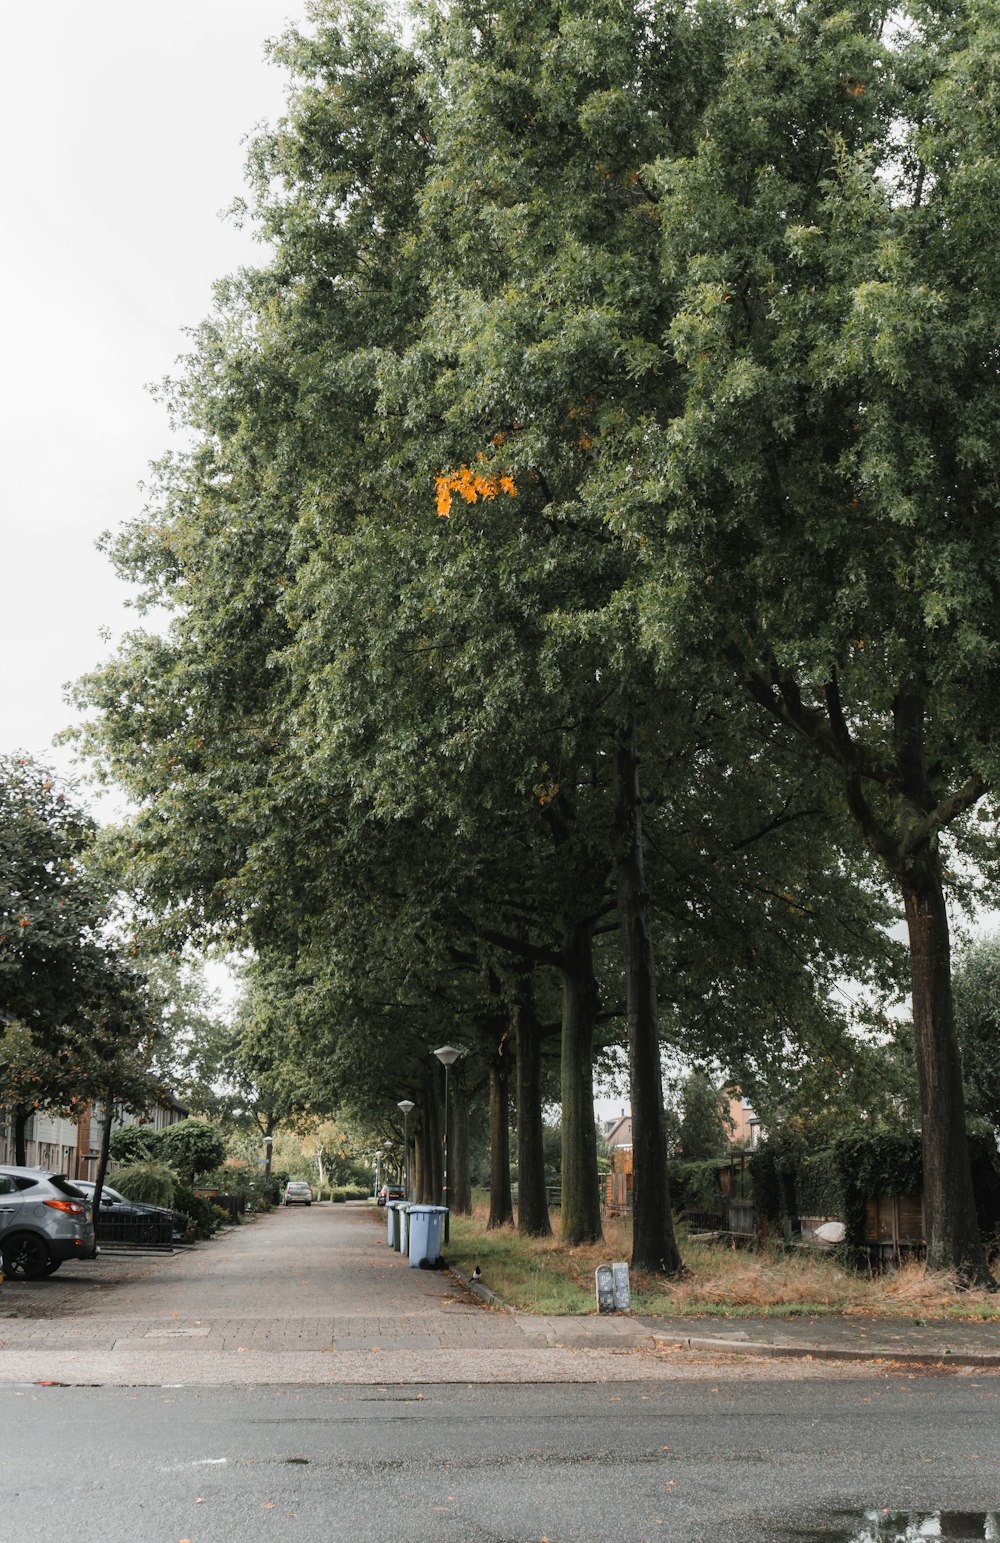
580,604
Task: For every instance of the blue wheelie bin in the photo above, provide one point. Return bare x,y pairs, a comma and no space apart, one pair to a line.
404,1227
426,1223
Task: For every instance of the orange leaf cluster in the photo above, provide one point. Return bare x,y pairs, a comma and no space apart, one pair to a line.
469,485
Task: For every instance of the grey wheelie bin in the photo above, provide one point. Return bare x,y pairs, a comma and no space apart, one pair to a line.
393,1223
426,1223
404,1227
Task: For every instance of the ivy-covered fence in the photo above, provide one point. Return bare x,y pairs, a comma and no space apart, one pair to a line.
792,1179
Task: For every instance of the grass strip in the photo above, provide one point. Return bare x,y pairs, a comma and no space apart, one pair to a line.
548,1277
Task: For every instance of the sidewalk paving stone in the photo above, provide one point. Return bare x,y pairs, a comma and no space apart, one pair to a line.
316,1296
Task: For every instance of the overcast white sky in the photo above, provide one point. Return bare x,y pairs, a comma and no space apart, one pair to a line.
122,124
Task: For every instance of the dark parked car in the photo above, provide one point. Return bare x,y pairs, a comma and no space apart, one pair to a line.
44,1220
132,1221
390,1192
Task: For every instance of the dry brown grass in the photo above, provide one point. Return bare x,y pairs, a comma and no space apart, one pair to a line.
546,1276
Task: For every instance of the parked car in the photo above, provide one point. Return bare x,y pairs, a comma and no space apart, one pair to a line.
297,1193
390,1192
132,1221
44,1221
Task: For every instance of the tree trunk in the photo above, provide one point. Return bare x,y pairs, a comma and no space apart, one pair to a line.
419,1164
501,1206
953,1238
429,1176
102,1161
459,1181
654,1246
532,1204
21,1117
581,1207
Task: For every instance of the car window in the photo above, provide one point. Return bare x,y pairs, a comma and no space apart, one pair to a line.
21,1181
64,1185
7,1185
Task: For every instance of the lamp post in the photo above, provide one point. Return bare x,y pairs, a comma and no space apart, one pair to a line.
447,1055
407,1105
268,1146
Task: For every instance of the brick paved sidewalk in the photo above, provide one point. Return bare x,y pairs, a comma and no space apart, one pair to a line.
315,1295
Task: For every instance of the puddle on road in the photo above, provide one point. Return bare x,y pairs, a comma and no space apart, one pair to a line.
885,1526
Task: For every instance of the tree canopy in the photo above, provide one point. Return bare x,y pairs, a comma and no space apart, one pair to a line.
576,584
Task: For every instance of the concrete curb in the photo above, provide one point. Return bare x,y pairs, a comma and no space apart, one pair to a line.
477,1289
764,1349
827,1352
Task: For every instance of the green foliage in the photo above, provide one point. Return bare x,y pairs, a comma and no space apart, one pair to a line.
151,1183
694,1186
76,1021
133,1143
872,1163
203,1217
191,1147
666,272
819,1184
704,1130
977,1023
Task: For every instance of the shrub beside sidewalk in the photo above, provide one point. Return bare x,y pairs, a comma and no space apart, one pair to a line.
542,1275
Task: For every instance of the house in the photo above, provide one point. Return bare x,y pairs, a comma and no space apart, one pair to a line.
71,1146
744,1122
618,1131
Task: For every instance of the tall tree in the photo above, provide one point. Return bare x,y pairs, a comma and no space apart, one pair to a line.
819,511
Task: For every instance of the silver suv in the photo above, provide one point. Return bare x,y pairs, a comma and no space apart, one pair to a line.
43,1222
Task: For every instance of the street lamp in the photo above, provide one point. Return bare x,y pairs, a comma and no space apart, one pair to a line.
407,1105
268,1146
447,1055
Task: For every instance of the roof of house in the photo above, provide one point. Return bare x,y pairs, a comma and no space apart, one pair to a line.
618,1133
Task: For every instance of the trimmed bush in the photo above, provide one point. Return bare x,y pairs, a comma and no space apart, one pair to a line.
134,1143
202,1215
147,1183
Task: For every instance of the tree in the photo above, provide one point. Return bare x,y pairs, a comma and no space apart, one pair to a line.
134,1143
704,1130
191,1147
76,1022
195,1034
819,498
402,751
977,1022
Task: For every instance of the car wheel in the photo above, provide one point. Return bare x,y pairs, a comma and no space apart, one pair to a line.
26,1257
52,1266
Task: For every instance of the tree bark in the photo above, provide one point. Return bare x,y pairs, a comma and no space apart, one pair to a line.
532,1203
102,1160
581,1207
429,1177
419,1164
21,1118
459,1181
953,1237
501,1206
908,849
654,1245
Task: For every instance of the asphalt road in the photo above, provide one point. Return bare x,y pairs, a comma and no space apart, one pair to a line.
296,1380
753,1461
